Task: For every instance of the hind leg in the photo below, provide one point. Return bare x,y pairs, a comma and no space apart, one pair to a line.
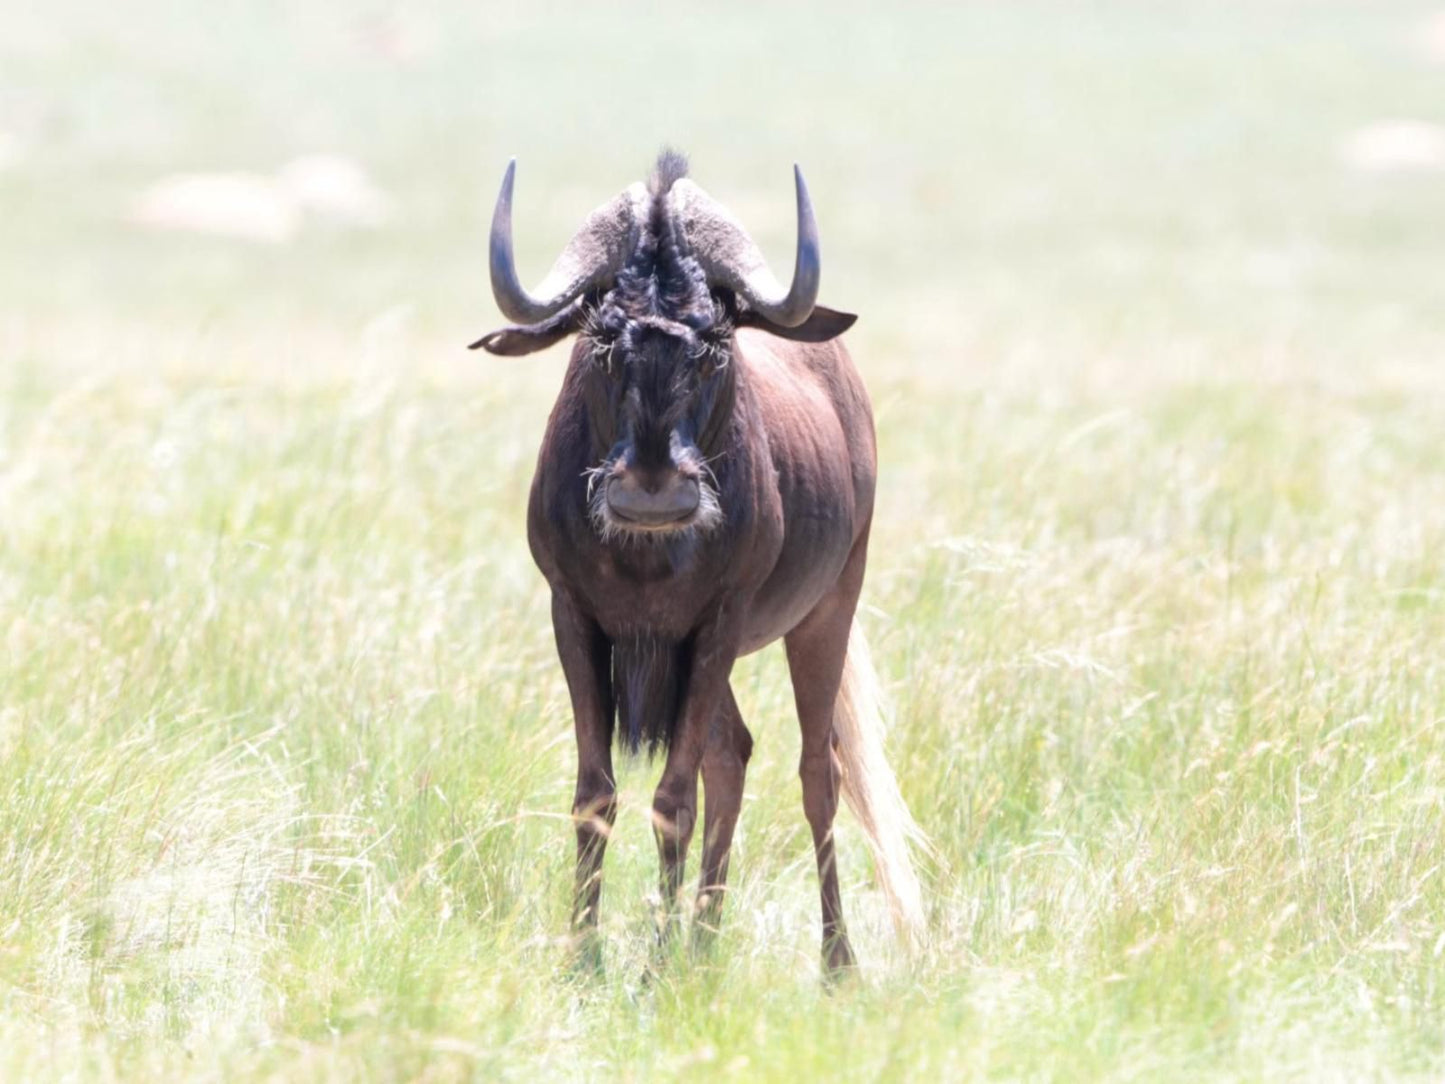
817,649
724,765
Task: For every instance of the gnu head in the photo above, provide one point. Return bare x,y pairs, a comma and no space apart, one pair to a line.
656,281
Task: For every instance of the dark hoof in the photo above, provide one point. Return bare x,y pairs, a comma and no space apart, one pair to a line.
839,963
703,942
585,956
706,925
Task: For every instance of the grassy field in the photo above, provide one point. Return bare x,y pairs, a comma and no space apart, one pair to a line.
1157,581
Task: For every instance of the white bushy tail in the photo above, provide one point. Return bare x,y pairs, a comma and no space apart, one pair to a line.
871,790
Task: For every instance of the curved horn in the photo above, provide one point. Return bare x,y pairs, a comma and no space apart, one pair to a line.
601,246
729,256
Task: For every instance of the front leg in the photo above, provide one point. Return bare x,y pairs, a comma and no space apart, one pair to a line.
674,805
586,661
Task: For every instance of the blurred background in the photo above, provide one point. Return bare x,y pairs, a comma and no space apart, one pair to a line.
1152,303
997,182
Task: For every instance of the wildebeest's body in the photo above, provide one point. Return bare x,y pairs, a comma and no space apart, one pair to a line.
704,488
799,507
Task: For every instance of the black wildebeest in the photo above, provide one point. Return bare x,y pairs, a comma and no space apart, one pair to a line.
705,487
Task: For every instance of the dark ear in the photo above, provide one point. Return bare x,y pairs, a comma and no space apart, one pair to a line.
513,342
822,325
518,339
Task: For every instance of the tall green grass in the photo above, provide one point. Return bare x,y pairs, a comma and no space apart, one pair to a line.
1156,581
